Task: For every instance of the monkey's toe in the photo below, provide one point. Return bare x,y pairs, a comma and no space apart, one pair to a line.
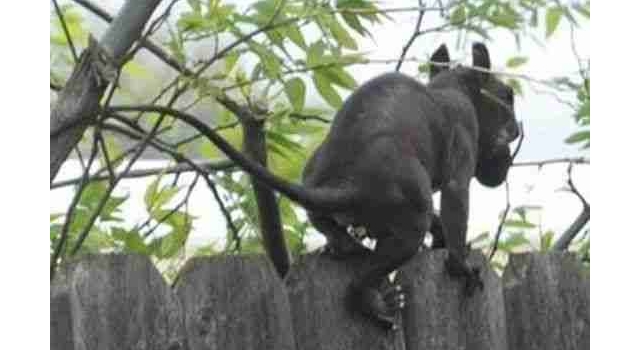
395,298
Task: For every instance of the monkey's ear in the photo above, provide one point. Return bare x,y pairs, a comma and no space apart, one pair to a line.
441,55
481,59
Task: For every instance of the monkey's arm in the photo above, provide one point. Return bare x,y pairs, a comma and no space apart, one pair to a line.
454,206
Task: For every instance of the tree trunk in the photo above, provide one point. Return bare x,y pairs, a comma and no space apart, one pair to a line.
79,101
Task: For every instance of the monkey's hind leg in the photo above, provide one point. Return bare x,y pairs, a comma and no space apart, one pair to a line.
339,243
367,296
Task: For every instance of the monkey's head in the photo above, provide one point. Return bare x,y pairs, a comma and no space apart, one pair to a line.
493,102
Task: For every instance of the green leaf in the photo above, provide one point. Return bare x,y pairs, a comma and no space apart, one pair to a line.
354,23
459,15
340,77
516,61
519,224
545,241
285,142
583,9
295,90
328,93
195,5
111,207
505,19
132,240
339,33
230,60
579,136
513,241
294,33
150,193
314,54
165,195
515,85
479,238
270,62
554,14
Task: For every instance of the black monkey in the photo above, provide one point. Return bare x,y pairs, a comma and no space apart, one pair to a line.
394,142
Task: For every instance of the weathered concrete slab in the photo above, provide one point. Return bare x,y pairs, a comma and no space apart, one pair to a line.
439,316
318,287
235,302
114,302
547,302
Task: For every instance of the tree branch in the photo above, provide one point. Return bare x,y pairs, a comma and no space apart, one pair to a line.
146,43
65,29
541,163
79,101
496,240
583,218
416,33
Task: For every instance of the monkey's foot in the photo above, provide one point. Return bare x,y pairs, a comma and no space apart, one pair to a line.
471,275
382,307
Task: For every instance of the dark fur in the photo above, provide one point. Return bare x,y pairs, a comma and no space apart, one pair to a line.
390,147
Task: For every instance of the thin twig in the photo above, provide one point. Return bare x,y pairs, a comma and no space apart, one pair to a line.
83,166
103,201
541,163
107,158
309,117
209,166
520,139
67,34
173,210
180,158
64,231
234,230
496,240
578,224
414,36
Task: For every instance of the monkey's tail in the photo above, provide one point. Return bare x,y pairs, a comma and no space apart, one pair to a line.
318,199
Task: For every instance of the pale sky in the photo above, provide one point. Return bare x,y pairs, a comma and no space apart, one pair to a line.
547,123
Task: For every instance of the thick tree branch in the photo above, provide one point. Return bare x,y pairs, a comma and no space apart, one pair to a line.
145,42
78,103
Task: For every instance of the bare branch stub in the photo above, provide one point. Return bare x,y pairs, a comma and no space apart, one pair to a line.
496,240
580,221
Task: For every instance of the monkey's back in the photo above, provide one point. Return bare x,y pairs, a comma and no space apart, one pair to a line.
392,107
